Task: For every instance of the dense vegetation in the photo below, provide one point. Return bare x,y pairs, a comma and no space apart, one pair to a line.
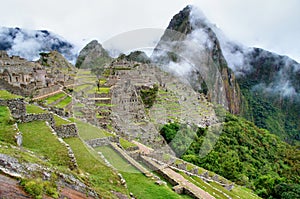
271,94
149,95
244,153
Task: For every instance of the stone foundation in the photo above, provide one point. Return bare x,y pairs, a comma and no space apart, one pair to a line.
66,130
102,141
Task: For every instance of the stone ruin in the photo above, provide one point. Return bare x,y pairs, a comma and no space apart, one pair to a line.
30,77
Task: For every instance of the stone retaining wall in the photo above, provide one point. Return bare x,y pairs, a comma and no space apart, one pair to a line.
45,91
66,130
14,89
102,141
39,117
16,106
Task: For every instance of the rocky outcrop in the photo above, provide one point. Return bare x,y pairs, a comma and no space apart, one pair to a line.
55,60
193,45
92,55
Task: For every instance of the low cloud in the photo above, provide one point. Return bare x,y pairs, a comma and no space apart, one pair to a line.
29,43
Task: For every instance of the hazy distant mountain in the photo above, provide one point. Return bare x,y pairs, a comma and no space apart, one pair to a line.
29,43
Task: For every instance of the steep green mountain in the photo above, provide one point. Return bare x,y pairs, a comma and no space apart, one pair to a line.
271,89
244,154
191,40
259,85
92,55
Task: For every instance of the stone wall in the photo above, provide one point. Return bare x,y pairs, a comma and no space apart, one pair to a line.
102,141
14,89
17,107
39,117
155,167
47,90
66,130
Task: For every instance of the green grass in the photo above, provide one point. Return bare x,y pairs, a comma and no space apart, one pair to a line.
7,131
126,144
87,131
59,121
38,137
53,98
31,108
81,87
237,192
242,192
7,95
64,102
137,183
104,105
20,154
102,178
101,90
82,72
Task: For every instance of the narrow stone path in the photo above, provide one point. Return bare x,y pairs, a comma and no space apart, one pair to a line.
189,188
47,95
131,160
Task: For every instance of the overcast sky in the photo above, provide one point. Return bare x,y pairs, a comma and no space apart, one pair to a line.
271,24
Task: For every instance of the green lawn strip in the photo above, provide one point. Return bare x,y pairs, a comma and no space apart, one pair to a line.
101,90
7,131
38,137
59,121
205,187
20,154
137,183
242,192
126,144
101,177
82,72
64,102
88,131
31,108
104,105
53,98
81,87
4,94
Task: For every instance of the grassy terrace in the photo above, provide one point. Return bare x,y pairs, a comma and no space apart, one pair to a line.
7,131
64,102
81,87
101,90
216,190
102,178
59,121
88,131
53,98
137,183
7,95
104,105
126,144
37,137
31,108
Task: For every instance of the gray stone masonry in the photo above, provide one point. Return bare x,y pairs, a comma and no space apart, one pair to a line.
102,141
66,130
16,106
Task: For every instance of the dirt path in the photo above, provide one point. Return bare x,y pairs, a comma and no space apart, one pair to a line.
10,188
47,95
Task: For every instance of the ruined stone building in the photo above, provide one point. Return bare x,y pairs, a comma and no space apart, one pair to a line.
31,77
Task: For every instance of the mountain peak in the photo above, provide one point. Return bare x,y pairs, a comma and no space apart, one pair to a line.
92,55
